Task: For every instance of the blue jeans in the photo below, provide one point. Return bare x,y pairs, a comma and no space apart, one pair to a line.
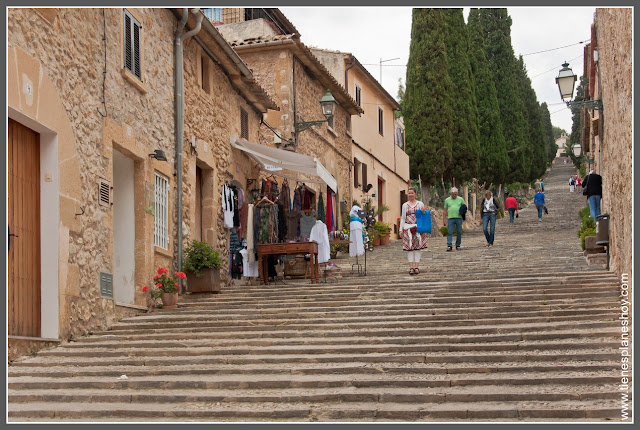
512,211
454,222
539,206
489,234
594,206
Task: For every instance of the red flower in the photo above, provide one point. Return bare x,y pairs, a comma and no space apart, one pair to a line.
159,284
176,284
181,275
162,270
144,289
156,277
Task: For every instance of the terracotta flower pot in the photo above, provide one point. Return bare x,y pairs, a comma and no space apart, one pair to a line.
376,241
170,300
384,239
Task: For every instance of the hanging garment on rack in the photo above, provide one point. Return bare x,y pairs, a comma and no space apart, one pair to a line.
273,224
306,199
283,197
250,234
249,269
356,247
236,260
296,205
227,206
236,208
256,228
282,222
321,212
320,235
293,225
306,224
244,216
329,217
264,225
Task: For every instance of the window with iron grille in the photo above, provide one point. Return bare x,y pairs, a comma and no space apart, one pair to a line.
359,96
161,214
364,175
244,124
380,120
356,169
132,33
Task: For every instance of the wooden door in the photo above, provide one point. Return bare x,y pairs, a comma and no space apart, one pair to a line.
24,221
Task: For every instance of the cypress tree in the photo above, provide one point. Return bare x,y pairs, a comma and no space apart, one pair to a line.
427,105
466,144
535,151
496,30
494,160
549,133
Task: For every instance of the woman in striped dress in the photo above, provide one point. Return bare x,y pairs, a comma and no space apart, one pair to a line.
412,241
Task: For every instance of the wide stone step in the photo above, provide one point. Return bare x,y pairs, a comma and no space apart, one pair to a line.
533,411
53,371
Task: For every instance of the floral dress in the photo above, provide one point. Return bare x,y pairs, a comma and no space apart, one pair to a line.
418,240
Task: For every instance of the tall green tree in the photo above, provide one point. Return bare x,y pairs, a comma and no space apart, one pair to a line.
549,133
427,104
398,113
494,160
535,151
576,126
496,30
466,143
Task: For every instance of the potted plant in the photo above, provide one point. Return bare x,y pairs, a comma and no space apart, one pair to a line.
164,287
383,230
202,265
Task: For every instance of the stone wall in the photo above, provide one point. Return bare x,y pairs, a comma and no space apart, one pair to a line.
70,48
213,117
614,81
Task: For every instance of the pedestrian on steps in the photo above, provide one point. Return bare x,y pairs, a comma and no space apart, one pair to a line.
538,200
412,241
451,218
489,208
593,185
572,184
511,204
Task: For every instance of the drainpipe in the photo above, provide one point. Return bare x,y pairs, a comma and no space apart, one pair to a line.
179,107
346,71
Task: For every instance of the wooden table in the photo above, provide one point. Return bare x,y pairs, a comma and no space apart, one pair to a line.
265,249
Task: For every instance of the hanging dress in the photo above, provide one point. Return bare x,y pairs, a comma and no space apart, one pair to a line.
356,247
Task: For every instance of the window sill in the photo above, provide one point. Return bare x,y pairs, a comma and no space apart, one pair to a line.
161,251
133,80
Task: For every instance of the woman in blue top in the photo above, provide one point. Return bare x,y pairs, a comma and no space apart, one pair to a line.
538,199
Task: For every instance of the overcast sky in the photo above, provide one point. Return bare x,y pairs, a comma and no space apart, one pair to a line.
374,33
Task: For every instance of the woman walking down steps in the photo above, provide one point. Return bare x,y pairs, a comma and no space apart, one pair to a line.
412,241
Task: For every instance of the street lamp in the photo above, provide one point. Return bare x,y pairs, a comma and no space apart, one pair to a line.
328,104
566,81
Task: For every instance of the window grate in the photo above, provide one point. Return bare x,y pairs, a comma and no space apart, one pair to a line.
104,193
244,124
127,42
161,218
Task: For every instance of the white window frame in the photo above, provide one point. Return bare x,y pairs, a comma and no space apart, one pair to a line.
161,211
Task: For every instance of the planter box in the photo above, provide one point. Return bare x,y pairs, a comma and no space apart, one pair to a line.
209,282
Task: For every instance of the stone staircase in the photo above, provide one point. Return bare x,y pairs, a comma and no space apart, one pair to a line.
523,331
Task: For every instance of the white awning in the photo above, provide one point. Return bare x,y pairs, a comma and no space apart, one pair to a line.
274,159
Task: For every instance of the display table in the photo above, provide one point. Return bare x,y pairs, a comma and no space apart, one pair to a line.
265,249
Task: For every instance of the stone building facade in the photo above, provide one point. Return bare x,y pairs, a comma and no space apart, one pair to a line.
607,134
220,93
379,158
91,96
96,122
296,80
